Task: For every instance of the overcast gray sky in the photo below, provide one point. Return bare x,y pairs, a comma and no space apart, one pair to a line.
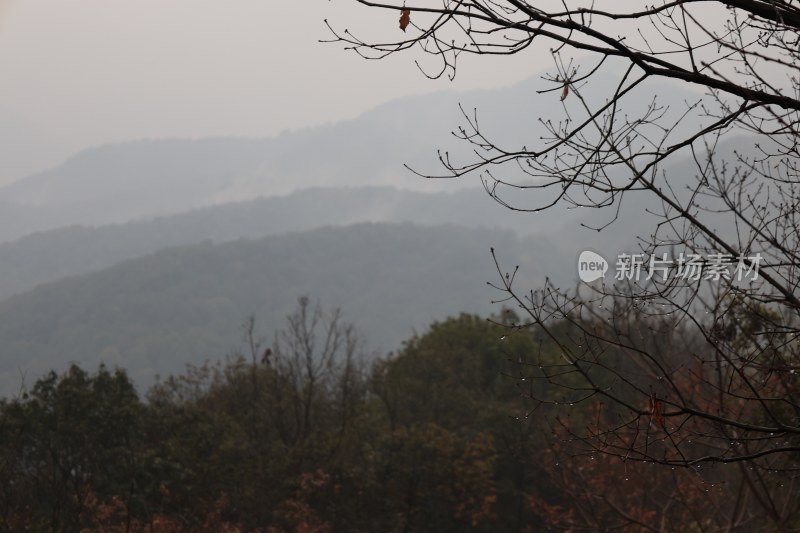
80,73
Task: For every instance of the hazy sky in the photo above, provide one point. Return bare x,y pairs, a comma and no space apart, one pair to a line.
79,73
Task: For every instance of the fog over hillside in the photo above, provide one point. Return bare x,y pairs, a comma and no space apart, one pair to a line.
148,178
156,313
151,254
48,256
19,139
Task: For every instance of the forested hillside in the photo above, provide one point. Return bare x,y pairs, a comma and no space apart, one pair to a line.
156,313
55,254
438,437
51,255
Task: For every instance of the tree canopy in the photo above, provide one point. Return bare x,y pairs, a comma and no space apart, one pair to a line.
688,351
299,434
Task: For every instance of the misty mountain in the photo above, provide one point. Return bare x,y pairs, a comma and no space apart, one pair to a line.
143,179
156,313
186,302
48,256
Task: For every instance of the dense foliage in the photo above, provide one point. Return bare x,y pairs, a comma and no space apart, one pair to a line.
422,442
302,436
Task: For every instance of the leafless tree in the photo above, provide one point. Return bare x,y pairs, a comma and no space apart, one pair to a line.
317,357
691,351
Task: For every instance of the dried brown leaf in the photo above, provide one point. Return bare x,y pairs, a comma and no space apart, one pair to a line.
405,19
655,407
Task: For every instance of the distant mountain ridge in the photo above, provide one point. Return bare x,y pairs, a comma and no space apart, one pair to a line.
186,304
144,179
48,256
175,252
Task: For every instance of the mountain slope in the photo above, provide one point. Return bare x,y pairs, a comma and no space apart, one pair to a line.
186,304
48,256
122,182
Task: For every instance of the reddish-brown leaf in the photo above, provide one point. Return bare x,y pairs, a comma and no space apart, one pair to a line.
405,18
565,92
655,407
